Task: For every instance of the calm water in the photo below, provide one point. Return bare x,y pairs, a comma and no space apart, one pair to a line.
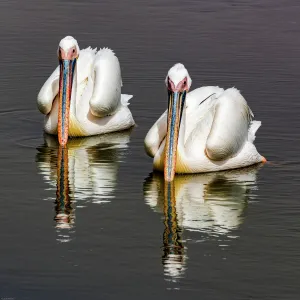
104,227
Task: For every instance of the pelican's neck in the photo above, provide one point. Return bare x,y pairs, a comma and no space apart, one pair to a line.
74,93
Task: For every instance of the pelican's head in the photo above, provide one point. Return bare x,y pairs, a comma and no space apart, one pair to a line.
178,82
68,52
178,79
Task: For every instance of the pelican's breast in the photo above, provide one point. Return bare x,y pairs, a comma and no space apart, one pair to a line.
75,128
181,166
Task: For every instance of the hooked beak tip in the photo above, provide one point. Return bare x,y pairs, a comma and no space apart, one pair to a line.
169,176
167,179
63,141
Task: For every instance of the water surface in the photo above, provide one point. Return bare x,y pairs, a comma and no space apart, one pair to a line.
92,221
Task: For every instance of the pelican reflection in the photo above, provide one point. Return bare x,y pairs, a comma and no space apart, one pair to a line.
173,257
210,205
85,171
64,211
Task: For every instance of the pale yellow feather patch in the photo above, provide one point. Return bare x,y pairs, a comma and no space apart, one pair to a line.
181,167
75,129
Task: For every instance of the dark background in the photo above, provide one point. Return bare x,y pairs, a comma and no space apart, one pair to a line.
115,248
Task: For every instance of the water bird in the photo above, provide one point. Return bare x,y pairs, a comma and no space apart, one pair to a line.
205,130
82,97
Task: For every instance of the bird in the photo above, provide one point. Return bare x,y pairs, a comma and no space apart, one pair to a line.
82,97
208,129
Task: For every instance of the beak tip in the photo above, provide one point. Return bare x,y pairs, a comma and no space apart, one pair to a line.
168,178
62,142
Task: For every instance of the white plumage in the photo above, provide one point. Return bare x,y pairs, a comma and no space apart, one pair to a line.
97,105
216,130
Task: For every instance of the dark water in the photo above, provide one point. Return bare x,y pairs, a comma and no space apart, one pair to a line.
103,226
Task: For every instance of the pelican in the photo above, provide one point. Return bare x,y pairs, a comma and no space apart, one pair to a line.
82,97
208,129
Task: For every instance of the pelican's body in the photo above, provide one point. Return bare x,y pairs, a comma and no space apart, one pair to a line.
93,84
215,132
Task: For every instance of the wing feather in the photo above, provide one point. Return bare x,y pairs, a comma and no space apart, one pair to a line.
229,130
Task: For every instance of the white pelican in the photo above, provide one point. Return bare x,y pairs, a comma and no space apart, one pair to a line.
82,97
205,130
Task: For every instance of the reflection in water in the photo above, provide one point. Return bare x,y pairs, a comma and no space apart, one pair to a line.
211,204
173,251
84,171
64,212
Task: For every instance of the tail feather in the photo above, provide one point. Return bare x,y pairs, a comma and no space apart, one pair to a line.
254,125
125,99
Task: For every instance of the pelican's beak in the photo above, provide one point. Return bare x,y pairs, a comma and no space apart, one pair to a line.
175,109
67,67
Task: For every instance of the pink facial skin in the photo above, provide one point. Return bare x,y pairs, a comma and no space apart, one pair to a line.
181,86
70,54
